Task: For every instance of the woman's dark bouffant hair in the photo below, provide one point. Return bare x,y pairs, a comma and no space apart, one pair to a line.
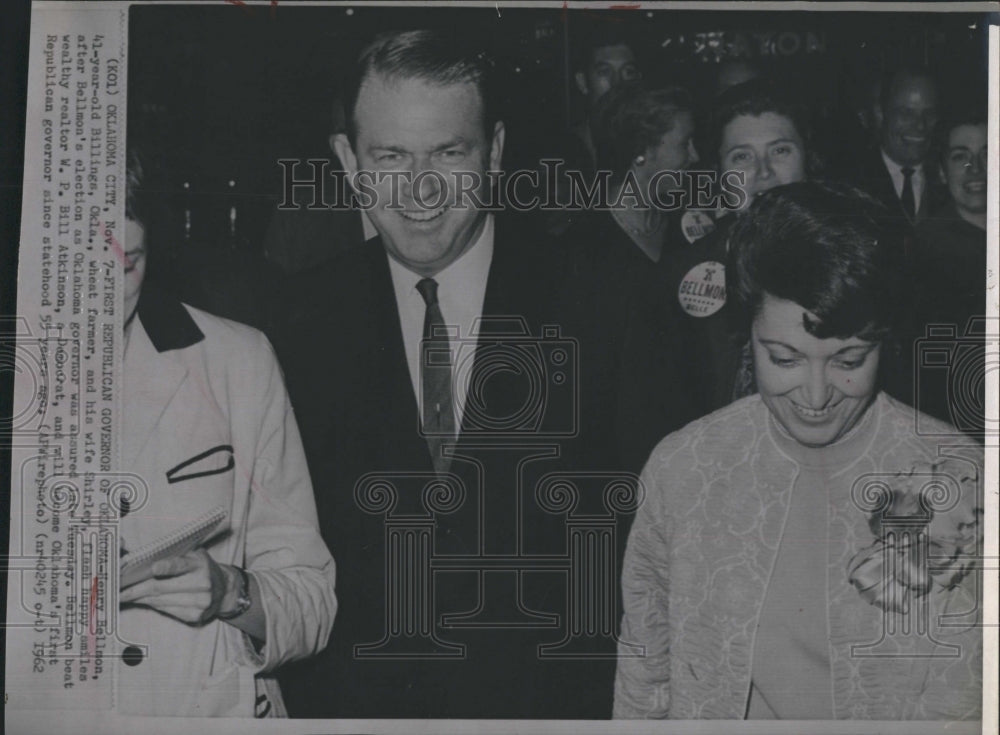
972,110
830,248
630,119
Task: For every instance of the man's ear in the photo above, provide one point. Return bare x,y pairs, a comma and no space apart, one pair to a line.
878,115
581,83
342,147
496,149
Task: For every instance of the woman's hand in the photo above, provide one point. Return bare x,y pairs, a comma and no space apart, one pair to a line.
192,587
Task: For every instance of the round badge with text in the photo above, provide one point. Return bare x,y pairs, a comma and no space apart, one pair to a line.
703,289
695,225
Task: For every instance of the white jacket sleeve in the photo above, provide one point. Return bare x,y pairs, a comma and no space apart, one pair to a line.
642,682
284,550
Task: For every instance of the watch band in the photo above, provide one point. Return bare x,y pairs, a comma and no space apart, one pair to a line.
243,601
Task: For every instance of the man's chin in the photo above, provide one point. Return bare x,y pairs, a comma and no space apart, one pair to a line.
908,155
419,253
427,247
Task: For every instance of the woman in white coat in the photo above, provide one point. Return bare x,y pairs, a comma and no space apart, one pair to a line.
206,425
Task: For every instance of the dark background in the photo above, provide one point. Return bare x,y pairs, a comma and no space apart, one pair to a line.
220,93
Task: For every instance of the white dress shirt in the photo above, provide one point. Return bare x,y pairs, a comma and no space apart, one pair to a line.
461,290
896,174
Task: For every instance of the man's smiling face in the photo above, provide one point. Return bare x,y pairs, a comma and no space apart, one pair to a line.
909,115
429,133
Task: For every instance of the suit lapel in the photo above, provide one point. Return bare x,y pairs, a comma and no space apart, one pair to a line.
496,303
513,300
885,190
390,367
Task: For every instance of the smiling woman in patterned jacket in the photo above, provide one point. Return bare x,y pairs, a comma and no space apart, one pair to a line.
803,553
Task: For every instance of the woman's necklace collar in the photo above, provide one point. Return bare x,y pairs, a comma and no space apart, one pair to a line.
637,231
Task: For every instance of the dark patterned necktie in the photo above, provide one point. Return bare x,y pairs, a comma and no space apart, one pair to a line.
437,406
907,198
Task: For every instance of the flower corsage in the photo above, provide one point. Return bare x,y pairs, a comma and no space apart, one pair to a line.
928,528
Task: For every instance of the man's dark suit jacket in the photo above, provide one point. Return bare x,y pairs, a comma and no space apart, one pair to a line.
339,341
873,177
896,366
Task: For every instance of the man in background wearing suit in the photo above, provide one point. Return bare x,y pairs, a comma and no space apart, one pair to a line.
392,432
899,173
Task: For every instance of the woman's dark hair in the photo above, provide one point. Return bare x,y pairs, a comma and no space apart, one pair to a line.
147,202
631,118
830,248
136,203
967,111
754,98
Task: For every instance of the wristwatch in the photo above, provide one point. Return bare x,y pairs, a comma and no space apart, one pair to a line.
243,601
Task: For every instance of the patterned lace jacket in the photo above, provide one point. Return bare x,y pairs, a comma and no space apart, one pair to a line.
703,545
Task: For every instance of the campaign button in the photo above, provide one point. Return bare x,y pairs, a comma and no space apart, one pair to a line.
702,291
695,225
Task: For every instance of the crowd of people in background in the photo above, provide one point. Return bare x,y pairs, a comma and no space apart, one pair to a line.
925,160
645,296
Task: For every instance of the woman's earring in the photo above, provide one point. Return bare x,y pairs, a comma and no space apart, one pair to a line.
639,160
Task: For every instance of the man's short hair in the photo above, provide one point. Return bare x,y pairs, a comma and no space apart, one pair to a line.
597,36
830,248
432,56
632,118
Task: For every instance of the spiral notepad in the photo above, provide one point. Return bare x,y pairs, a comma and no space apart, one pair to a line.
136,566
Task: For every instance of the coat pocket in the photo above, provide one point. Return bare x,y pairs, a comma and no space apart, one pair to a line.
222,695
214,461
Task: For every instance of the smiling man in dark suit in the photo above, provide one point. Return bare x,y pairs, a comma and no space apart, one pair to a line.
899,173
435,375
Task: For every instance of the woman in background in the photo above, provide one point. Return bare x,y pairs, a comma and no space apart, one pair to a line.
643,135
950,269
758,136
644,139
